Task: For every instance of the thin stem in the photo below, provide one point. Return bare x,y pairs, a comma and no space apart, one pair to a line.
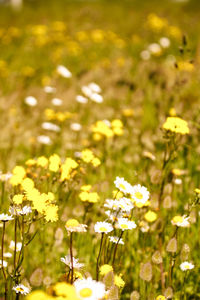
3,270
98,258
71,257
15,239
115,251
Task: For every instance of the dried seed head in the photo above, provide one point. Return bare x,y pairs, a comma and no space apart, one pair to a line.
167,202
168,293
185,252
146,271
172,245
157,258
135,295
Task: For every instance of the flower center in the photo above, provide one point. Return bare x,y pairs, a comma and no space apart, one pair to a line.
122,186
19,289
138,195
178,219
86,292
124,226
103,229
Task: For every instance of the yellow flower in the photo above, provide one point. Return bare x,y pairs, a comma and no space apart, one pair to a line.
30,162
197,191
160,297
105,269
119,281
96,162
51,213
27,184
86,188
177,125
128,112
42,161
18,175
54,163
150,216
65,290
17,199
87,155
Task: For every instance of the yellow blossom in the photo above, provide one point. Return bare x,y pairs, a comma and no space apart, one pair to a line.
150,216
177,125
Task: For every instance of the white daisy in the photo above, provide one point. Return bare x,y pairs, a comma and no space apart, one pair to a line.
164,42
113,216
49,89
7,255
123,185
114,239
67,260
139,194
95,88
96,98
56,102
186,266
180,221
81,99
44,139
5,217
18,246
31,101
22,289
86,91
76,126
72,225
125,204
63,71
125,224
103,227
89,289
50,126
4,263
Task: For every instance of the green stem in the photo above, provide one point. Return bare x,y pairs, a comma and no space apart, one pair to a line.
71,256
3,270
98,258
115,251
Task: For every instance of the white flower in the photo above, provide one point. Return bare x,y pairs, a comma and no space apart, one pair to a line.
7,255
164,42
16,210
18,246
95,88
186,266
25,210
20,288
63,71
89,289
123,185
44,139
125,204
86,91
81,99
125,224
5,177
103,227
56,101
73,225
178,181
145,55
31,101
114,216
180,221
67,260
5,217
96,98
75,126
140,194
49,89
115,239
50,126
154,48
4,263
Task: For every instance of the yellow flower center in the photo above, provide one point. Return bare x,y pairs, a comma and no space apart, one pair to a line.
178,219
72,223
19,289
103,229
86,292
122,186
138,195
124,226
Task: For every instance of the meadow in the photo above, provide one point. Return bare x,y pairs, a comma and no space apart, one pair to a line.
99,150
